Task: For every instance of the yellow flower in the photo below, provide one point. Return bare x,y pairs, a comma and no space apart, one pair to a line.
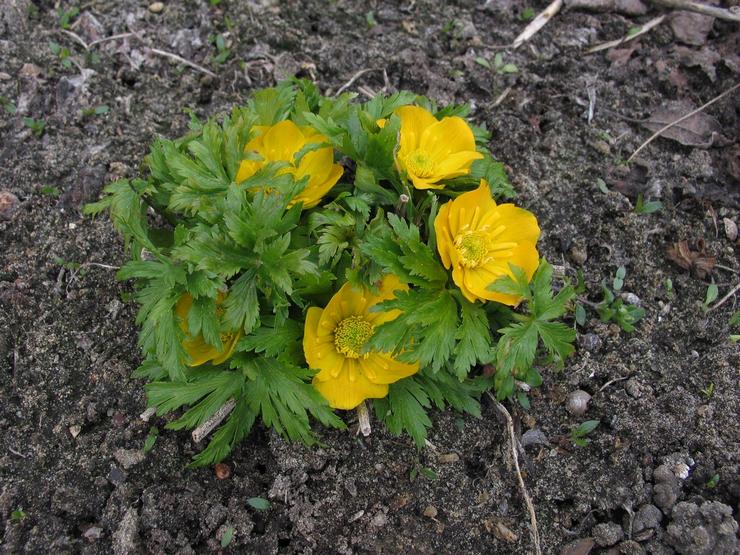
199,351
430,150
479,239
280,143
333,341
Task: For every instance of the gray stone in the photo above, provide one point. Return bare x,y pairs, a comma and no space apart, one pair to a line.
647,516
607,533
129,457
126,537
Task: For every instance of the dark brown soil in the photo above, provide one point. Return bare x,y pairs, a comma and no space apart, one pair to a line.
666,395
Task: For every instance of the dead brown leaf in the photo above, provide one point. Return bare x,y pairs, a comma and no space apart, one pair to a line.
691,28
700,130
697,260
579,547
705,58
500,530
619,56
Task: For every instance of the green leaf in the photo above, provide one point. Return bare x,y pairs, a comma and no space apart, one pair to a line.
151,439
283,341
585,428
473,338
227,537
404,410
259,503
242,306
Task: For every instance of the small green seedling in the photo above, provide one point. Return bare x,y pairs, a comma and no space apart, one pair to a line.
370,19
151,439
498,64
527,14
61,52
418,470
711,295
66,16
642,207
18,515
614,308
259,503
37,126
709,390
223,52
579,433
95,111
713,482
669,288
50,191
601,184
8,105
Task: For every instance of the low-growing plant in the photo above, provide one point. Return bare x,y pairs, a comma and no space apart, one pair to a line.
613,307
307,254
578,435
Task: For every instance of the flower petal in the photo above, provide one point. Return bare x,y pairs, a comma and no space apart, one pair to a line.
282,141
447,136
350,388
444,236
414,120
382,368
426,182
521,224
457,164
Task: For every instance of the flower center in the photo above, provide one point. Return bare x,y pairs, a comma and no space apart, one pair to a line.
420,164
351,334
472,247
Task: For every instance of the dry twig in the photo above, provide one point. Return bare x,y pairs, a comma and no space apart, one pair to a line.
682,118
209,425
726,298
363,419
537,23
612,43
689,5
533,530
181,60
354,78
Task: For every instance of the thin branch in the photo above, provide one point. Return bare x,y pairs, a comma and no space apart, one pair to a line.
615,380
113,37
724,299
182,61
363,419
688,5
76,38
209,425
354,78
679,120
533,530
537,23
627,38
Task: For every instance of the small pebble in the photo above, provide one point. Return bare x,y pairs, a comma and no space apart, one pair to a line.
730,229
379,520
116,476
156,7
578,402
430,511
129,457
589,341
75,430
9,204
222,471
607,533
93,533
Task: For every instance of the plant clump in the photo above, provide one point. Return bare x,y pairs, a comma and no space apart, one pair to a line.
306,254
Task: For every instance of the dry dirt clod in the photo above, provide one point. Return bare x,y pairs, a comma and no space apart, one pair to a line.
730,229
9,204
156,7
430,511
579,547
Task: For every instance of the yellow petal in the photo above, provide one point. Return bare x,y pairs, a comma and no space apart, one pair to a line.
521,224
457,163
414,120
444,237
199,351
447,136
458,276
247,168
423,183
282,141
182,309
323,173
228,349
381,368
349,389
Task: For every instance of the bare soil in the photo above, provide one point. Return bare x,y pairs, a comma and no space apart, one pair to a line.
660,474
